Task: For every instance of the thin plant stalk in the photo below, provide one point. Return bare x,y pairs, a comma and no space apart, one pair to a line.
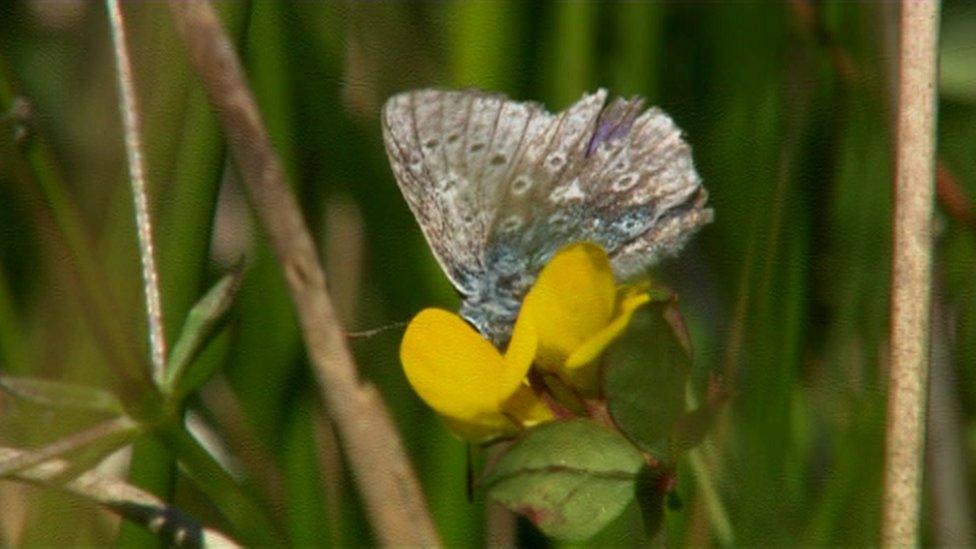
129,109
911,272
108,432
248,518
391,491
152,467
718,516
121,498
34,165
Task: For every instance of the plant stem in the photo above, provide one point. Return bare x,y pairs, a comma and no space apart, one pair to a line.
109,432
912,271
250,521
129,108
149,469
34,164
377,456
719,518
121,498
705,480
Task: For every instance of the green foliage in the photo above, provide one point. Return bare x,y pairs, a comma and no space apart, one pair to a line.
785,295
569,478
57,394
644,382
183,373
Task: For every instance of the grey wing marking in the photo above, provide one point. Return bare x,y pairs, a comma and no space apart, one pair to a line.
522,233
613,175
646,192
419,177
444,148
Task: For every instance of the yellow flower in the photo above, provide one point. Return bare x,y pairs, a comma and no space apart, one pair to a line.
577,311
480,393
571,314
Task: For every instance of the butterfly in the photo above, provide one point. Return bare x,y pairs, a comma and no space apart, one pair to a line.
498,186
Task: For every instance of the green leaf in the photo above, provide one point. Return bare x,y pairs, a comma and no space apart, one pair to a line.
570,478
201,323
645,378
57,394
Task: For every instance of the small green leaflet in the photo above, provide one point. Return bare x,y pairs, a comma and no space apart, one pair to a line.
570,478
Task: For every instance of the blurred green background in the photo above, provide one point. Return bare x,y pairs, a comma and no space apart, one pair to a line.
788,107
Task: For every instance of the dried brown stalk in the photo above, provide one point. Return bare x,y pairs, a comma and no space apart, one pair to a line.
107,432
912,270
121,498
385,478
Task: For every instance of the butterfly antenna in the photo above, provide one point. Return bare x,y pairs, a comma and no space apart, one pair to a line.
370,333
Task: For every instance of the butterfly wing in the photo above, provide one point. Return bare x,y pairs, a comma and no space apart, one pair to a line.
645,197
451,153
613,175
617,176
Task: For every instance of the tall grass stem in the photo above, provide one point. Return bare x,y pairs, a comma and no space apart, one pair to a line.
391,491
912,270
129,109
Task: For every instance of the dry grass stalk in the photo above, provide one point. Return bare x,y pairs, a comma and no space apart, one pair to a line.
376,454
912,271
121,498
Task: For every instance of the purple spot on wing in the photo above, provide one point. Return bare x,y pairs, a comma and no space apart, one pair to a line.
615,122
603,132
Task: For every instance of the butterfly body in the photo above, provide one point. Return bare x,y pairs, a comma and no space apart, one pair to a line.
498,186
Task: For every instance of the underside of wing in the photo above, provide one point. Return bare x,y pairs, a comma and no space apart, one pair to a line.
643,193
451,153
617,175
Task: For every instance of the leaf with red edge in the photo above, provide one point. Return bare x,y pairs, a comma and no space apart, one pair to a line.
569,478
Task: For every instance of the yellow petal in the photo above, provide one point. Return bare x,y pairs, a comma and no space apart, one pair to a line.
453,369
522,410
518,357
571,301
485,429
527,408
581,369
592,348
